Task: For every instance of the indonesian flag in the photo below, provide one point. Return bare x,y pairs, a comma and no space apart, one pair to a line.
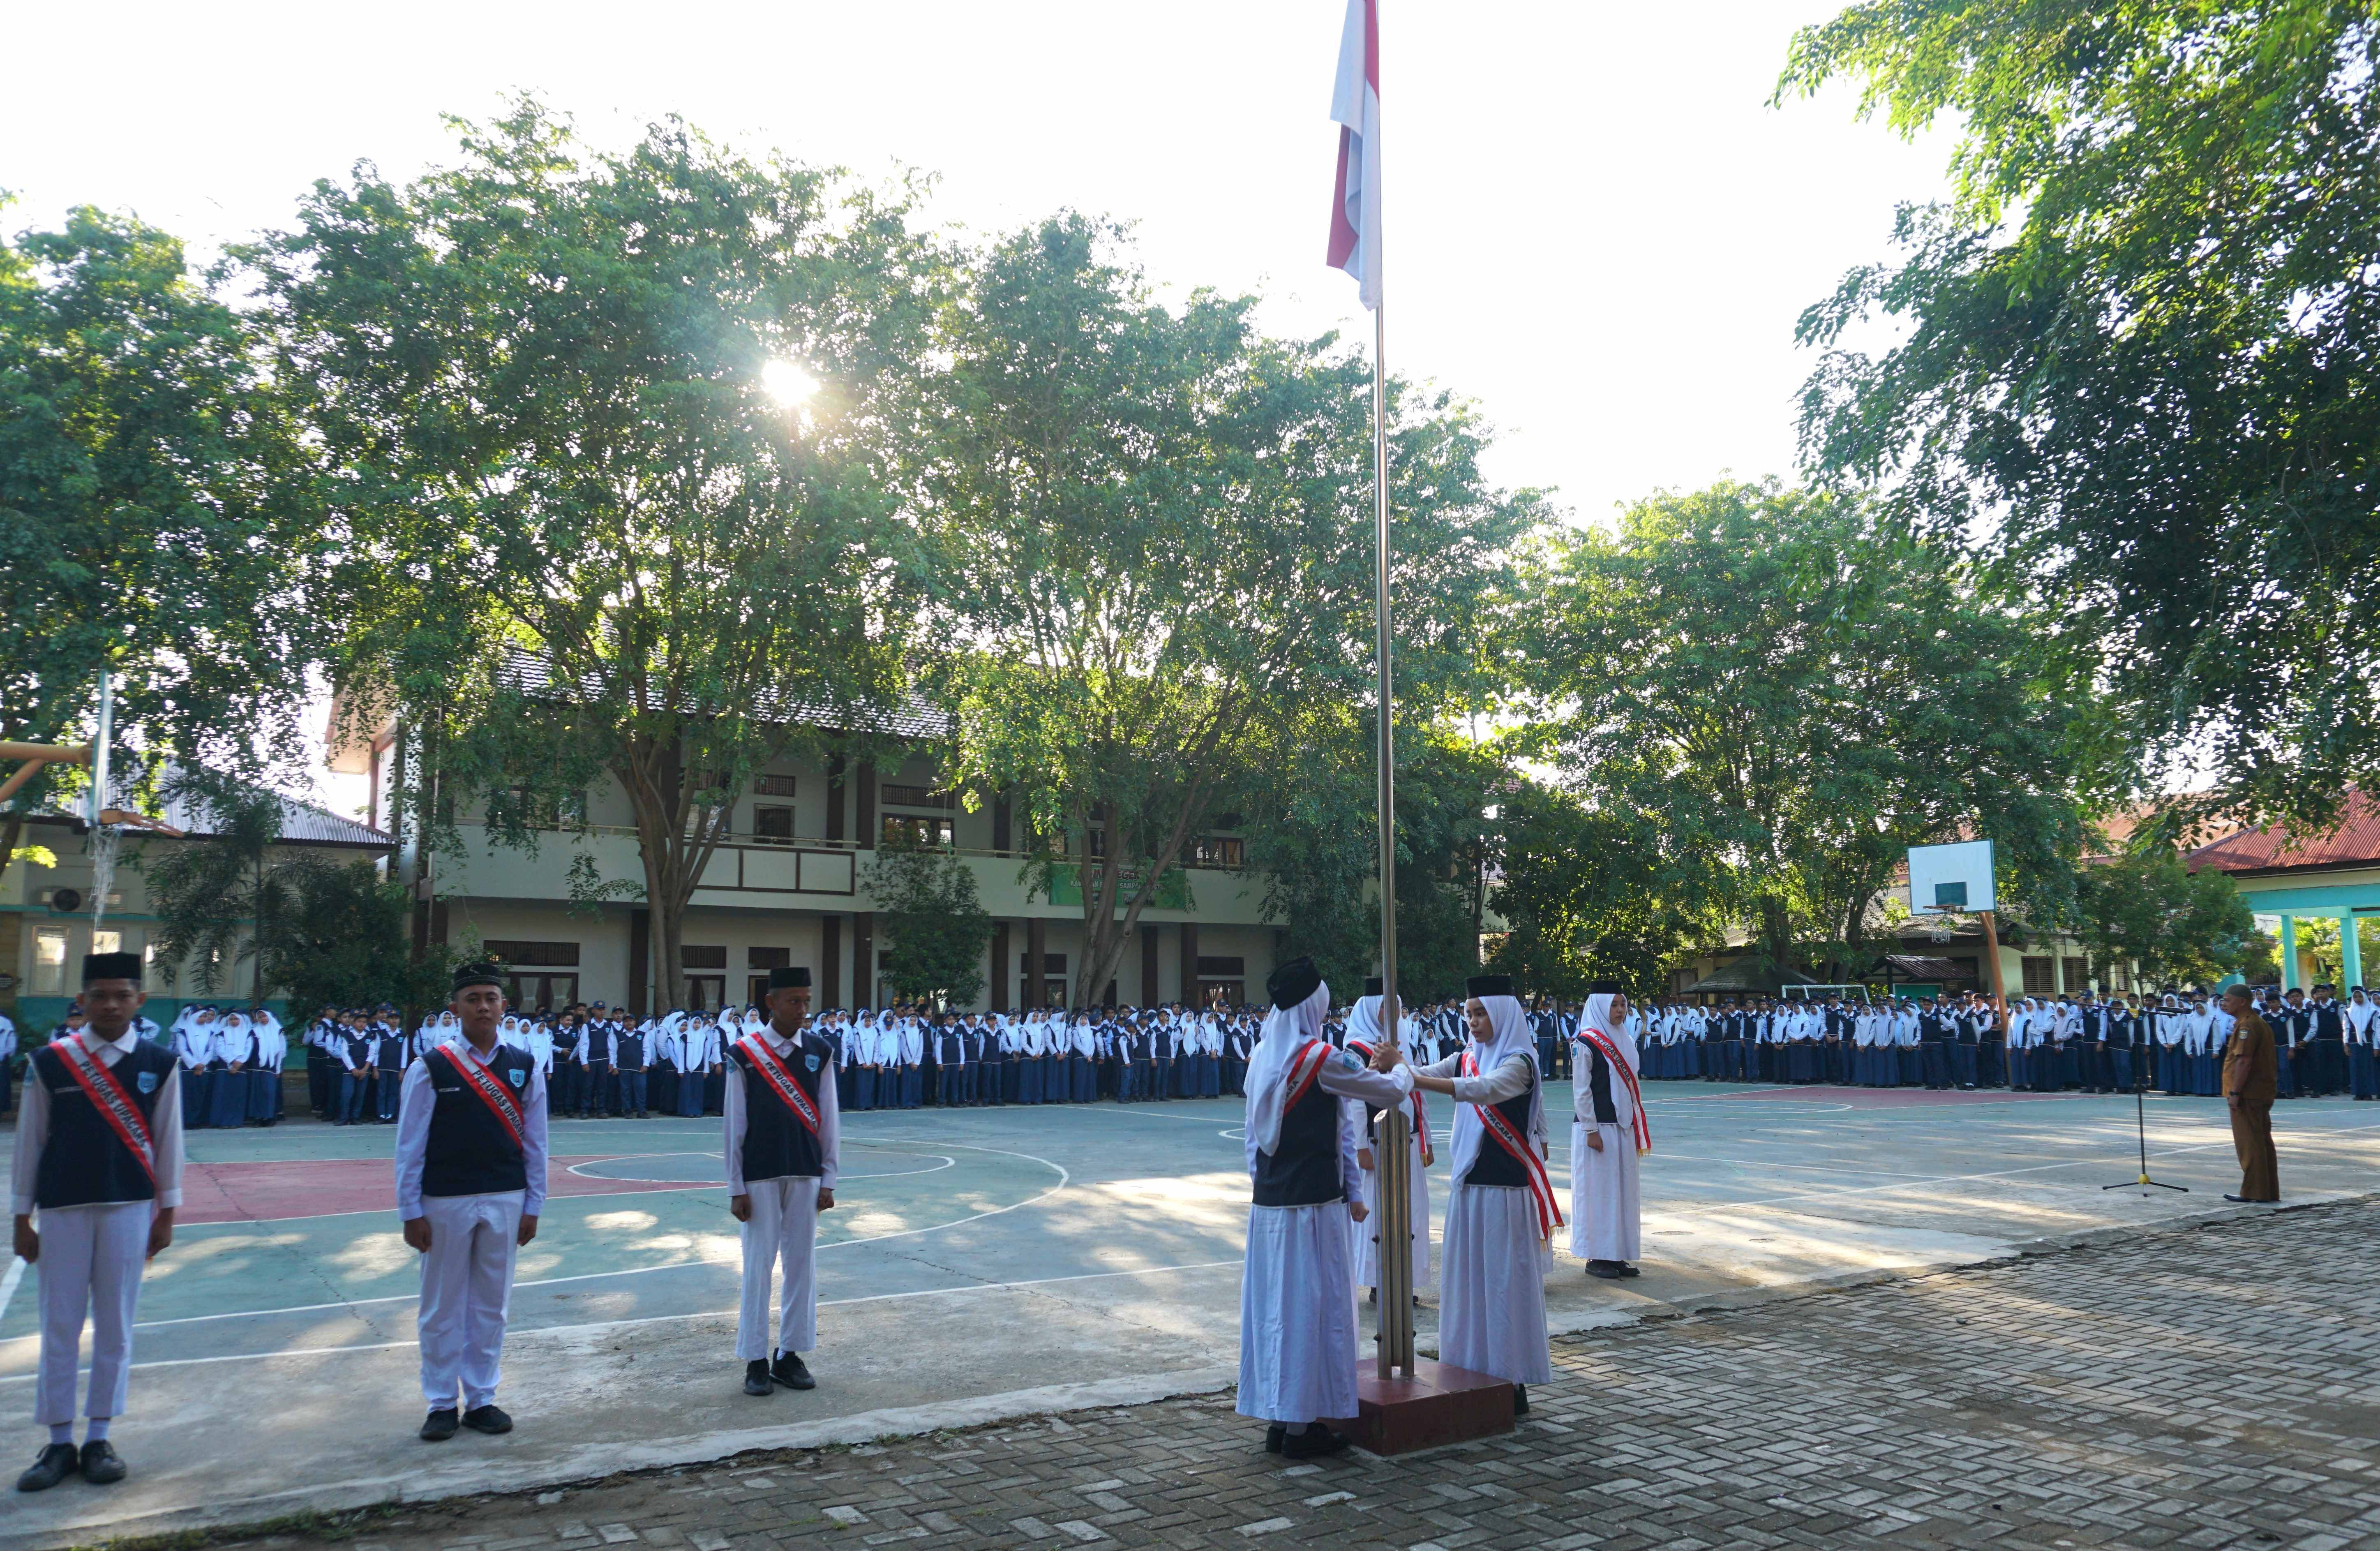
1355,108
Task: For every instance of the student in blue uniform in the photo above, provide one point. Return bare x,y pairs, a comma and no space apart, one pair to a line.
783,1147
391,1052
470,1186
96,1177
631,1062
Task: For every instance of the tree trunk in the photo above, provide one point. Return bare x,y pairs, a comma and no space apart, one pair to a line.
674,851
1105,934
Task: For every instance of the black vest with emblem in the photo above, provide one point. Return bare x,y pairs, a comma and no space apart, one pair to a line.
777,1145
1303,1168
84,1163
1494,1165
469,1151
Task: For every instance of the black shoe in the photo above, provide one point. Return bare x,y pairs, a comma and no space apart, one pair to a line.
789,1371
1626,1270
1314,1441
57,1461
1609,1270
487,1419
439,1426
1520,1399
755,1377
1273,1437
101,1466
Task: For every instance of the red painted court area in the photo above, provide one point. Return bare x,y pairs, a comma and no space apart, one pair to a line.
1866,1098
257,1193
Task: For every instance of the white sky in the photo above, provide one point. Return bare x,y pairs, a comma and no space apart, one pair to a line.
1594,226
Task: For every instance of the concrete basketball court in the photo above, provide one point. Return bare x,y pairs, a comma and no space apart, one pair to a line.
984,1264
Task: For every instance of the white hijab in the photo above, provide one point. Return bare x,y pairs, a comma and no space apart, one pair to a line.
1598,1016
1286,1031
1508,1035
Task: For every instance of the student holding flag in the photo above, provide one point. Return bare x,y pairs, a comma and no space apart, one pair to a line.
470,1185
1501,1213
784,1147
1607,1134
97,1175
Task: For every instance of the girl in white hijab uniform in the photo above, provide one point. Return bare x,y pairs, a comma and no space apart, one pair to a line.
1501,1209
1297,1300
1364,1038
1606,1216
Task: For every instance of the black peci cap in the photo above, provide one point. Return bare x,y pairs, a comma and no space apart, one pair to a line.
1293,983
1488,986
111,966
468,975
795,976
1372,987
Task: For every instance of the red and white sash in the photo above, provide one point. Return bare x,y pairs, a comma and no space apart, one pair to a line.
492,1092
107,1095
1627,1074
1420,1112
1304,1067
1541,1187
780,1080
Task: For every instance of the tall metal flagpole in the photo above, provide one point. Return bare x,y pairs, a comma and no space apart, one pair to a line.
1391,1162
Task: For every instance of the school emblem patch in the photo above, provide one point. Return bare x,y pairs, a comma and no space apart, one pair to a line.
811,1060
518,1075
1349,1059
146,1082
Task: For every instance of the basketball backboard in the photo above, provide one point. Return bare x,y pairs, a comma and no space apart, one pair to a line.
1955,877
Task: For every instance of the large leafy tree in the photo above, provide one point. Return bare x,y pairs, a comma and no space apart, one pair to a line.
583,531
1767,696
2146,907
150,524
2139,353
1154,530
1589,892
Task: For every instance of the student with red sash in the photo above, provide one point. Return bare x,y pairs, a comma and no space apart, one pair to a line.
96,1176
784,1147
1607,1134
470,1184
1298,1292
1502,1211
1364,1039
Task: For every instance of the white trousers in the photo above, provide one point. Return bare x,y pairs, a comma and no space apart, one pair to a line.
467,1289
1605,1218
90,1265
783,1228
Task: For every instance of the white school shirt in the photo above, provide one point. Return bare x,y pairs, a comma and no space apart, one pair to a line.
33,1131
415,1102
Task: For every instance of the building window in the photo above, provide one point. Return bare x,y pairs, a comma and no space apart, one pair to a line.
1051,964
774,826
700,956
50,962
1098,842
914,829
2040,977
767,958
1219,850
2078,973
515,953
107,942
1232,967
767,784
919,797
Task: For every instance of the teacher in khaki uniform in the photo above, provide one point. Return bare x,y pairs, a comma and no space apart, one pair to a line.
2250,1079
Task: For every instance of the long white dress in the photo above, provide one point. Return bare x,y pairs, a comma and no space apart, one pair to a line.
1367,1232
1492,1268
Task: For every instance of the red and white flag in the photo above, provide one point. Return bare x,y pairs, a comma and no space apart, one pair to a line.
1355,107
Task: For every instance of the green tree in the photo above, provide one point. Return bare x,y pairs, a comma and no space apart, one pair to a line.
2174,927
1153,529
2137,354
150,524
1590,893
583,531
1761,698
933,920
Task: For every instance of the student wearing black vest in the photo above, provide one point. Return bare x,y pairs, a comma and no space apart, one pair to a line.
783,1146
1297,1293
99,1158
470,1185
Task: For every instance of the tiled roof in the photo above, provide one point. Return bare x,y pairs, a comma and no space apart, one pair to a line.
301,822
2355,843
913,718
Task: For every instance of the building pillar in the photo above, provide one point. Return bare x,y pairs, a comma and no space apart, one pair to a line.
1189,998
1037,962
834,797
863,957
1150,993
1001,965
830,962
2351,958
640,949
865,834
2289,953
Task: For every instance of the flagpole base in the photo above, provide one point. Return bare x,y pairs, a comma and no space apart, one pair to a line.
1440,1405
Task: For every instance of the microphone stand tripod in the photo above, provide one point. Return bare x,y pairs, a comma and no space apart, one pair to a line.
2140,1125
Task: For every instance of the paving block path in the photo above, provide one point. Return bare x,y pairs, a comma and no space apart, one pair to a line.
2204,1387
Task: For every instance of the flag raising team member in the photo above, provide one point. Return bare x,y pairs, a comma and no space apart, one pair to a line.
1297,1299
470,1184
1364,1039
784,1143
97,1174
1607,1134
1502,1212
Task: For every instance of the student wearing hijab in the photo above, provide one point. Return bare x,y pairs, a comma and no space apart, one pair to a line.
1609,1133
1297,1300
1501,1211
1363,1039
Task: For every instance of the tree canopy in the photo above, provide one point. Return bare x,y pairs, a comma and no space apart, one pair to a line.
2137,356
